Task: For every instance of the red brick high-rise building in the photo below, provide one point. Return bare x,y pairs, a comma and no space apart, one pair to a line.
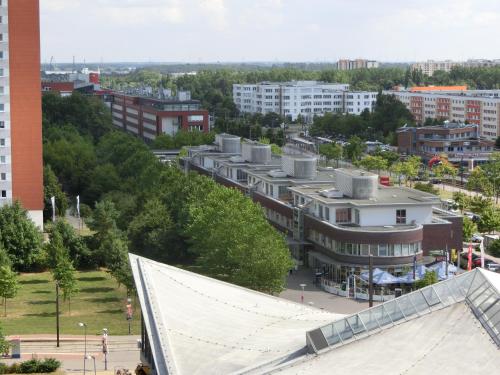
21,166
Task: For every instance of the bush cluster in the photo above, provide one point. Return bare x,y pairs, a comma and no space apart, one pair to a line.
32,366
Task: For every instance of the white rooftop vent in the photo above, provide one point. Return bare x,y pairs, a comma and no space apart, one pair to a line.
331,193
277,173
236,159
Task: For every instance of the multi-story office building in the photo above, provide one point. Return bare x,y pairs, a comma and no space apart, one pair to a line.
459,142
305,98
345,64
479,107
333,218
21,176
148,117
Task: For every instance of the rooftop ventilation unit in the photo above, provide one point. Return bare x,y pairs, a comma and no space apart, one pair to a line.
299,166
331,193
257,153
236,159
277,174
229,144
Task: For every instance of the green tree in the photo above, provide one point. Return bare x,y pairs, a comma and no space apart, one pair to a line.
331,151
354,148
151,233
374,163
494,248
445,170
52,188
64,275
408,168
492,174
469,228
8,285
20,237
478,181
67,238
226,244
490,220
429,278
461,200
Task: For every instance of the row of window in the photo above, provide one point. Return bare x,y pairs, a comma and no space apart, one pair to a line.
356,249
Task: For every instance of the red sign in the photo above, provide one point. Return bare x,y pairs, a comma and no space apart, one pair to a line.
469,259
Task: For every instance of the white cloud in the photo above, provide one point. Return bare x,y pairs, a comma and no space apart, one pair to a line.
58,5
141,12
216,13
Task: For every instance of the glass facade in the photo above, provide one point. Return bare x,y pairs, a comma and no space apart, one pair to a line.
470,287
361,249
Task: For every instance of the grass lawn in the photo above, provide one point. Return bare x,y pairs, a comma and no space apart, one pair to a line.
100,303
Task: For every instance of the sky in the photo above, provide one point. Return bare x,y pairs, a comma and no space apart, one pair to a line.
268,30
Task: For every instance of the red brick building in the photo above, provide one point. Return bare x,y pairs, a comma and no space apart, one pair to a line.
21,176
148,117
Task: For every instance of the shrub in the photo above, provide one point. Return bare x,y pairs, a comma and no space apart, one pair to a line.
48,365
428,188
494,248
29,367
3,368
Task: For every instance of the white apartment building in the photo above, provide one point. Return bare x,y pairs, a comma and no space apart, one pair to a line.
480,107
306,98
430,66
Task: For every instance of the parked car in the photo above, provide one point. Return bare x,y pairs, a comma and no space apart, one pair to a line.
474,217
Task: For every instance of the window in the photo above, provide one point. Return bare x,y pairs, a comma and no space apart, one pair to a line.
3,159
2,124
382,250
1,72
400,216
2,107
3,176
3,194
321,211
2,142
327,214
343,215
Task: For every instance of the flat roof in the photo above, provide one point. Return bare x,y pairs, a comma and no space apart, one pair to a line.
323,176
390,195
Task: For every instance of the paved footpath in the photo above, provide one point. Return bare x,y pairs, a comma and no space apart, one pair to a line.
317,297
123,352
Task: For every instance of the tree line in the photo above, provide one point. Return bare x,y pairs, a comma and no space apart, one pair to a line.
133,202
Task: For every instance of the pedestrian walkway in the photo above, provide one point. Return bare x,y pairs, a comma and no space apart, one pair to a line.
123,351
317,297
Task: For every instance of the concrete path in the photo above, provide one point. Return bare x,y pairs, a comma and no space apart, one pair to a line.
316,297
123,352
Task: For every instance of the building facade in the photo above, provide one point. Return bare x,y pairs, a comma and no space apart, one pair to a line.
430,66
333,218
478,107
305,98
460,143
148,118
21,167
345,64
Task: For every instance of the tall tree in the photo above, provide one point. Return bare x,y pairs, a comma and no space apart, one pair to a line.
331,151
374,163
8,285
354,148
52,188
227,246
19,236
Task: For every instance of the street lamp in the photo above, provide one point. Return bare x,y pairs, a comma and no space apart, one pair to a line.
84,325
91,357
302,295
105,347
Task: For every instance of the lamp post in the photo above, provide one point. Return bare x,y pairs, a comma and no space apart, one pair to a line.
302,295
105,347
91,357
84,325
370,280
57,313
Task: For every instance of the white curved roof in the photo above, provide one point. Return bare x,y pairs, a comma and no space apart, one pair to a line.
200,325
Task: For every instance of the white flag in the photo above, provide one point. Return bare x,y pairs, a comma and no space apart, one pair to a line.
53,202
481,247
78,205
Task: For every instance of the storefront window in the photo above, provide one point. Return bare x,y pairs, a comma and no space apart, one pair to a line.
365,249
397,250
382,250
